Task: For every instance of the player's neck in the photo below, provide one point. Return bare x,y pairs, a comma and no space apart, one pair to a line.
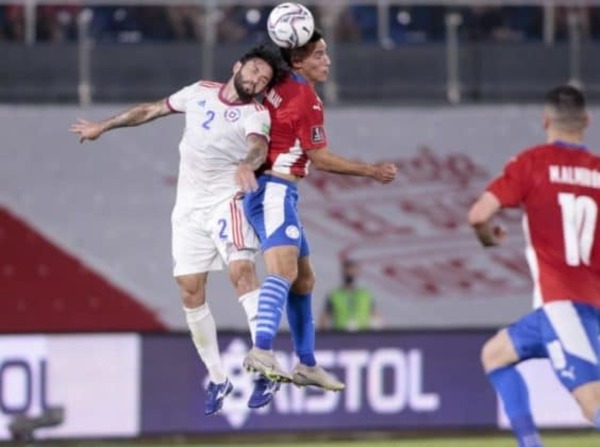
304,77
565,137
229,94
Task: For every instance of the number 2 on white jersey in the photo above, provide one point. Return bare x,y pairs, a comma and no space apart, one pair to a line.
579,215
210,115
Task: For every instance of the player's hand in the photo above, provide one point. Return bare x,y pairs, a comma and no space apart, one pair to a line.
385,172
498,233
245,178
87,130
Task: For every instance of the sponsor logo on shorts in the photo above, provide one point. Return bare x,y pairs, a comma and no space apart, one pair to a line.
232,114
292,232
568,373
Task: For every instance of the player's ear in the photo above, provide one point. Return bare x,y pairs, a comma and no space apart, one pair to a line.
587,119
236,67
296,59
545,120
297,62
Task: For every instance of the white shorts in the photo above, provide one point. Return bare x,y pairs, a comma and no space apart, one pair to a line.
203,240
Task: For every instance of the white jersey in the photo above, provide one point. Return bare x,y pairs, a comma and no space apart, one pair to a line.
213,143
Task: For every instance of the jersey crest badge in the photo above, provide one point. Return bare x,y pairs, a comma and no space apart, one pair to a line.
232,114
317,134
292,232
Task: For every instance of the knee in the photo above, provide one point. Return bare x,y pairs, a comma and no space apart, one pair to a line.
486,355
243,277
591,410
283,262
192,294
289,271
304,284
588,397
494,354
192,298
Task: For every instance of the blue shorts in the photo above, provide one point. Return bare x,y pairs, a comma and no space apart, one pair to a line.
566,333
272,211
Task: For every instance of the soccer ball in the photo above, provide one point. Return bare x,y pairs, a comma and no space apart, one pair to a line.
290,25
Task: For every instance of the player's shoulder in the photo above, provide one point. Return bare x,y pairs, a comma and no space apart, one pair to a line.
199,87
251,108
536,149
204,85
210,85
296,86
257,106
531,152
558,152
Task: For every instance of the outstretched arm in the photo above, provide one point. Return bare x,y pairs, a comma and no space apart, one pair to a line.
325,160
257,154
136,115
480,216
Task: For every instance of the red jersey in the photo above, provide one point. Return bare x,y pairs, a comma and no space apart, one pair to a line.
296,125
558,185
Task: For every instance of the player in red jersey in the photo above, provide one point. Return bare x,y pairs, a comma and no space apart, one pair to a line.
298,139
558,186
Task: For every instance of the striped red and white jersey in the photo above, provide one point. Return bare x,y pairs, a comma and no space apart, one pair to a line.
558,186
297,125
214,142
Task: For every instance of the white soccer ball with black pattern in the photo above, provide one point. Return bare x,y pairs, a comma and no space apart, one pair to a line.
290,25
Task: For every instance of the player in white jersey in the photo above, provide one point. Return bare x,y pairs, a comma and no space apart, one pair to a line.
225,140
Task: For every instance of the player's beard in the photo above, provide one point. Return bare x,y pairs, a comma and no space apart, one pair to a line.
238,84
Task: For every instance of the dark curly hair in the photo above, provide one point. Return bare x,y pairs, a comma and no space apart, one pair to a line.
271,56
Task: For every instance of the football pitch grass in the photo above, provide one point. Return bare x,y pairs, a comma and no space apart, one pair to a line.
549,439
491,441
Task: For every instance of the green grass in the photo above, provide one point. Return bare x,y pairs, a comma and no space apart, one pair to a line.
491,441
550,440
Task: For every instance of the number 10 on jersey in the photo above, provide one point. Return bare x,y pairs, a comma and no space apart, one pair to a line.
579,215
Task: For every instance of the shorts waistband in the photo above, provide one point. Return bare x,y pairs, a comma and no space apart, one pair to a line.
272,178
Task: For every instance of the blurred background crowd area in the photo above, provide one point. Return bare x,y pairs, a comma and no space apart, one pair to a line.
246,24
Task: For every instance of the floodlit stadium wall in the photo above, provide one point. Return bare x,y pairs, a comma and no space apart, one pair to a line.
128,385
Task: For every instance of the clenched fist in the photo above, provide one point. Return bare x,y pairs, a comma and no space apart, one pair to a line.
385,172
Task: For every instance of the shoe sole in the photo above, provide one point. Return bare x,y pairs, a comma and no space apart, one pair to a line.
256,407
269,373
262,404
301,382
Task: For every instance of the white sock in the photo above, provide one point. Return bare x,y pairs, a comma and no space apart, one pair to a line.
204,335
249,302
